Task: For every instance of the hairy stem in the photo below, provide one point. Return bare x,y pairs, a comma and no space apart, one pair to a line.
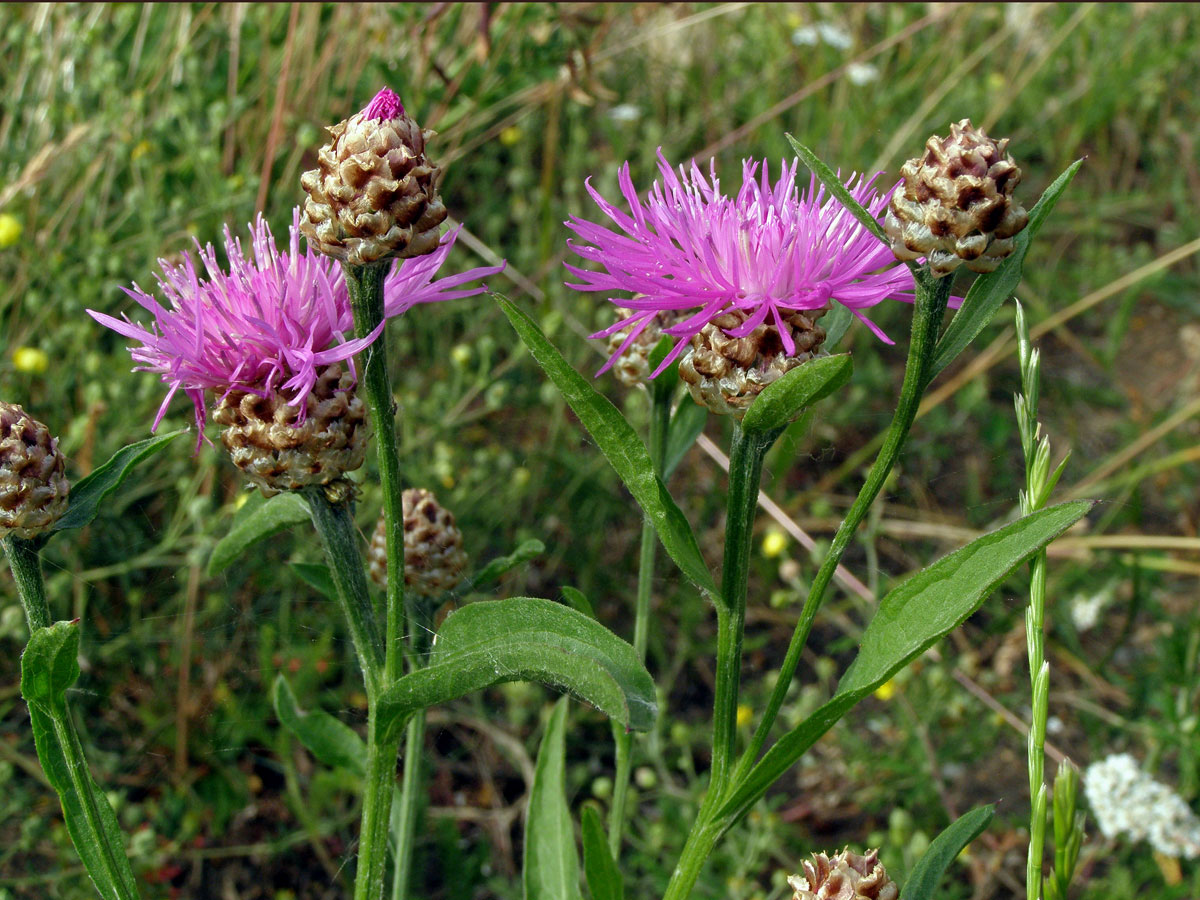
745,472
115,877
930,307
365,285
660,418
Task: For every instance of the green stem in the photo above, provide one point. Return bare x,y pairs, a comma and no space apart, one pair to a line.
660,419
414,758
930,307
335,525
378,790
26,566
365,286
700,843
745,471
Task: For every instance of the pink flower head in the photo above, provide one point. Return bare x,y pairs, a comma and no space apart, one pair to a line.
270,322
771,250
385,105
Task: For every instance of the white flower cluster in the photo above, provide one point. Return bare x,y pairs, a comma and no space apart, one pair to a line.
1126,800
825,32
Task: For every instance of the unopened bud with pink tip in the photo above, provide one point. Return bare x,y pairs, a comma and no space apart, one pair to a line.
373,195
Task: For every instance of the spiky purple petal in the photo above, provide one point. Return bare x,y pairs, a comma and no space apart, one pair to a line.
771,250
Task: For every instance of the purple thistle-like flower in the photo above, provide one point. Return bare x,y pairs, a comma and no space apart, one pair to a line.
271,322
691,251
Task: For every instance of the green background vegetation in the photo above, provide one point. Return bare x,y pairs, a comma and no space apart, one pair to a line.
126,131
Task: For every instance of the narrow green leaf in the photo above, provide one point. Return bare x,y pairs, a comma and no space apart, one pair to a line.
527,639
93,489
578,600
603,877
551,868
330,740
686,424
836,323
988,293
318,577
621,446
49,666
262,521
499,567
923,881
834,185
787,397
910,619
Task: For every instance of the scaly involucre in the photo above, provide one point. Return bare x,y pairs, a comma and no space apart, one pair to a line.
271,322
693,251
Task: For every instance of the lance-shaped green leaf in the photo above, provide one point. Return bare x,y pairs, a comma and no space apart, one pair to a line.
500,566
834,185
911,618
599,869
988,293
923,881
330,740
94,488
318,577
526,639
49,666
551,867
257,521
836,323
788,396
686,424
621,446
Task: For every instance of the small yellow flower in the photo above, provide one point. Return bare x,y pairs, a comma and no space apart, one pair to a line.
460,355
510,136
887,690
744,715
30,360
140,150
10,230
774,543
240,500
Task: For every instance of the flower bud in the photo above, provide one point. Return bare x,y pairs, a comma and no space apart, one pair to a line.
434,559
373,195
727,373
33,488
956,205
279,451
847,876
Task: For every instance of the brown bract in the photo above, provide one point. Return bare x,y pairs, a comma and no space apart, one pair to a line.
633,366
373,195
434,559
726,374
956,204
845,876
277,454
33,488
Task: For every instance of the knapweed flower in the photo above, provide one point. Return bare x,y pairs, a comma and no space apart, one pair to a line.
373,195
757,259
271,327
33,488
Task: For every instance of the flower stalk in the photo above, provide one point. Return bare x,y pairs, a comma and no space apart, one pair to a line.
661,392
932,296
